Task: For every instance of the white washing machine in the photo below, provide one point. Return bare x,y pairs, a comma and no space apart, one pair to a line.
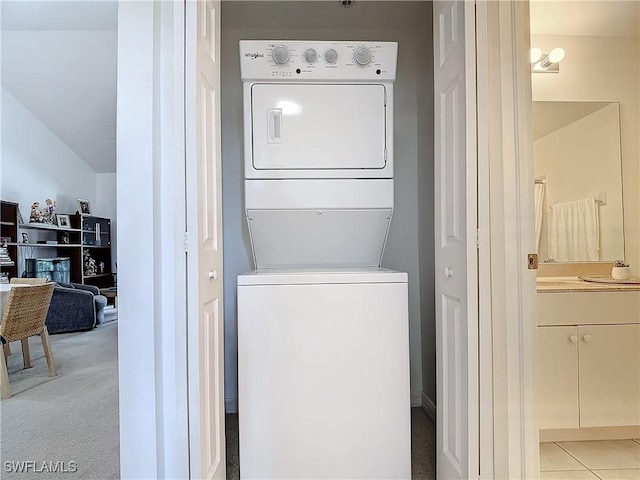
323,375
323,350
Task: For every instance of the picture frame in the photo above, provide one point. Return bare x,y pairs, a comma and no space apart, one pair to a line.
25,237
64,221
84,206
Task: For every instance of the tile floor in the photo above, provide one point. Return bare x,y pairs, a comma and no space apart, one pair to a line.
593,460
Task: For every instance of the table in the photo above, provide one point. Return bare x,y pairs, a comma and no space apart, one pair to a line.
5,288
111,292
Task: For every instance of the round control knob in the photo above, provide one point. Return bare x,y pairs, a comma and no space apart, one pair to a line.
331,56
280,54
362,56
310,55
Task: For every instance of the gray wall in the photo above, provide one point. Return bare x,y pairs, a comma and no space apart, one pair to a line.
426,236
408,23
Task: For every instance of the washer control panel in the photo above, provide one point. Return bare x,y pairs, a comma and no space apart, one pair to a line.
314,60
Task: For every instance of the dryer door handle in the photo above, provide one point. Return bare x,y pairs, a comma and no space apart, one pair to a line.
274,125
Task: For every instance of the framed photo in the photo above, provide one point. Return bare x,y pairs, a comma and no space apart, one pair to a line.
25,237
63,221
84,207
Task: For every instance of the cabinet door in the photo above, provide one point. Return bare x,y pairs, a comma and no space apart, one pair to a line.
609,375
558,377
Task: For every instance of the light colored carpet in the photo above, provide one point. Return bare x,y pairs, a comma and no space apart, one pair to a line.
69,418
423,446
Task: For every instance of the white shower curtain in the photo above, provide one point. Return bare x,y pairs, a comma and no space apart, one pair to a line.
539,205
574,231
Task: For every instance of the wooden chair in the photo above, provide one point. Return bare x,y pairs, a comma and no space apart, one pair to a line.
28,281
24,317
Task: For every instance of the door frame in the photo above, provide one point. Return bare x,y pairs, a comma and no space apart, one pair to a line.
152,327
508,441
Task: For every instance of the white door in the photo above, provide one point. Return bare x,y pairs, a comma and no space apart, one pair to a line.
204,241
318,126
456,254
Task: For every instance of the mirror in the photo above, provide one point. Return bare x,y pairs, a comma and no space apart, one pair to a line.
578,176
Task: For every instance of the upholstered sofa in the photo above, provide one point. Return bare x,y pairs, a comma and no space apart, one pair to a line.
75,307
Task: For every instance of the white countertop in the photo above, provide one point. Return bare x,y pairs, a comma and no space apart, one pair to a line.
575,284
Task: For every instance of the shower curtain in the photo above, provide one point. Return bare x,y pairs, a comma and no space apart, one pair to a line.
539,205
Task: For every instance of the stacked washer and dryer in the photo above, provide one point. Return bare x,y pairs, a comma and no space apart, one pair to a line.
323,347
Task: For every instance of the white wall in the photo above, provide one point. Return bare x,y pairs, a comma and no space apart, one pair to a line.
404,22
579,161
603,69
37,165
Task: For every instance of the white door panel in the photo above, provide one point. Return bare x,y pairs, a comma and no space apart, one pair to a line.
293,128
456,258
609,375
558,377
204,245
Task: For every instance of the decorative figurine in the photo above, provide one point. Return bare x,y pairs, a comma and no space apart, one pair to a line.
36,215
90,266
50,213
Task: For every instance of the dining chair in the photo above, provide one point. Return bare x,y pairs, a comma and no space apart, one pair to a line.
28,281
24,281
24,317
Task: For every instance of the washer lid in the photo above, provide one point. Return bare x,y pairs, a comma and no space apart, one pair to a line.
317,276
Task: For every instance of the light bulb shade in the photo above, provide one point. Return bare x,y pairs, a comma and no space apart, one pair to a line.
556,55
536,54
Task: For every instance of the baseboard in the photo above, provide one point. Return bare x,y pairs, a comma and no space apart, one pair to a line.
231,405
429,407
416,399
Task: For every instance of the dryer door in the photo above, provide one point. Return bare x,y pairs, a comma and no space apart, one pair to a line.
318,127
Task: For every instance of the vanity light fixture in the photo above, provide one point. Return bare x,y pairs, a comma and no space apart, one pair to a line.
536,55
546,62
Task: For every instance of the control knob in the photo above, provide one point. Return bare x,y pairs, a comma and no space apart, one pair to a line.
331,56
362,56
310,55
280,54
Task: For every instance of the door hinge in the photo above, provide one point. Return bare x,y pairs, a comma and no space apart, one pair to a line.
186,242
477,238
385,155
532,261
385,98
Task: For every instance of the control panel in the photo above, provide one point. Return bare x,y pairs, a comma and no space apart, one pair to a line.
314,60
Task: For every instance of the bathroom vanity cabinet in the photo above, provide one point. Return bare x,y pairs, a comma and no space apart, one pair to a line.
588,359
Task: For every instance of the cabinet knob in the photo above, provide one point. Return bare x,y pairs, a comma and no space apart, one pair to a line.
448,271
586,338
573,339
213,275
